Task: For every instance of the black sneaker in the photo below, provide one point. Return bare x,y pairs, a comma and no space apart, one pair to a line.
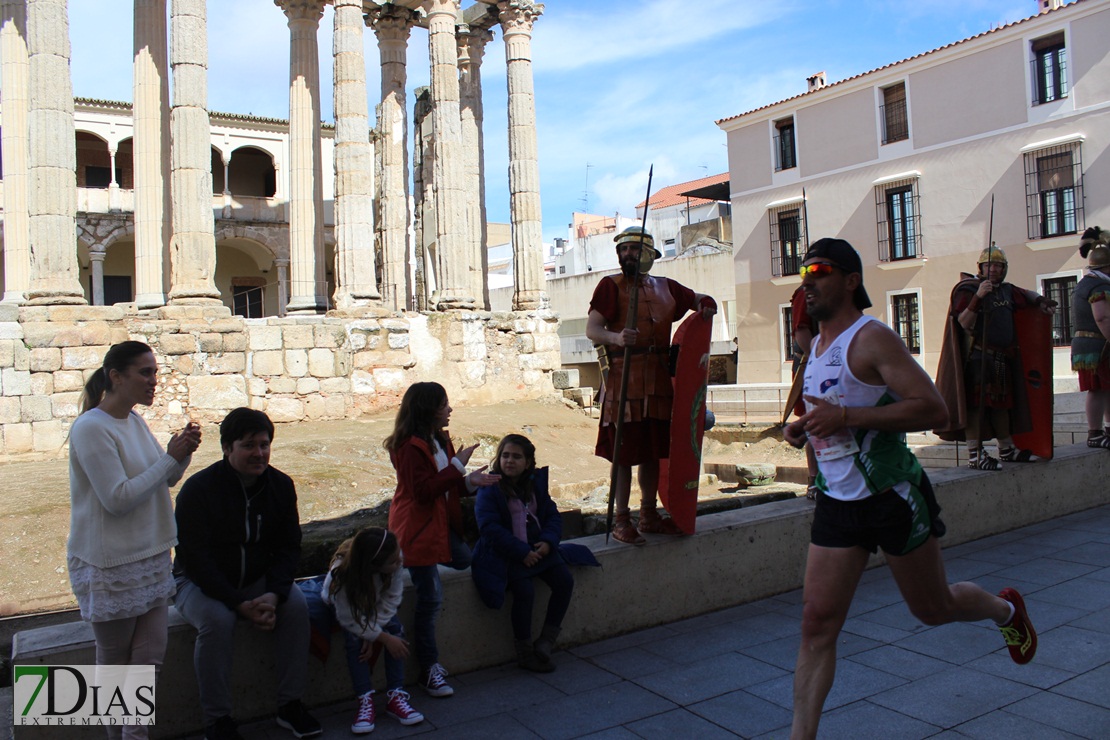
222,729
295,718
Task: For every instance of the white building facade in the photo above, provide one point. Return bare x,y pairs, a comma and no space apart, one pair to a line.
912,163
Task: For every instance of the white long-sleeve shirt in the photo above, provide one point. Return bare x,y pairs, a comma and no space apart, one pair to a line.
388,602
119,479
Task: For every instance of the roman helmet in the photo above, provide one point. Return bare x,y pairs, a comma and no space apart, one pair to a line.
1095,246
640,235
993,254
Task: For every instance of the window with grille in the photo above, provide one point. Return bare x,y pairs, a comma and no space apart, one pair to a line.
785,158
906,320
787,335
898,218
788,240
1050,70
896,122
1060,289
247,301
1054,191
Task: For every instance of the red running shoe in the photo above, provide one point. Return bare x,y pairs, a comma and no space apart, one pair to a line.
1020,636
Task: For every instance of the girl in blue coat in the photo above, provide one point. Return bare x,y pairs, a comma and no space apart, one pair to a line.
520,529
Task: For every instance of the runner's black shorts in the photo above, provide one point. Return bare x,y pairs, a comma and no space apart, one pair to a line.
887,520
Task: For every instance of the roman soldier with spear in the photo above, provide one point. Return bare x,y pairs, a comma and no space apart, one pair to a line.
631,314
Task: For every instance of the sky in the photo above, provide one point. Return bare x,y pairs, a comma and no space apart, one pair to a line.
620,85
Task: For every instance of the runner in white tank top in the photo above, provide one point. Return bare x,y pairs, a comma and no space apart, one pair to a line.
855,463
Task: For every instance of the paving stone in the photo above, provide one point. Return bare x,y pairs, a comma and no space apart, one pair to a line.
951,697
1082,593
689,647
709,678
1036,673
633,662
1092,687
1004,725
743,713
1073,649
956,643
1046,571
900,662
678,723
574,716
1064,713
853,682
848,723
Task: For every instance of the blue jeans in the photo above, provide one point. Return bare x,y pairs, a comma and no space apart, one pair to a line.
429,597
322,617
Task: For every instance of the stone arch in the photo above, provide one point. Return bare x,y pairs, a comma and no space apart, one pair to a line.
252,173
93,160
218,184
245,257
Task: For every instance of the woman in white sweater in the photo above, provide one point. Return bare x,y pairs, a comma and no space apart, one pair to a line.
121,520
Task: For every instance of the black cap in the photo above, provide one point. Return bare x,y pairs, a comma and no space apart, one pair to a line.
843,256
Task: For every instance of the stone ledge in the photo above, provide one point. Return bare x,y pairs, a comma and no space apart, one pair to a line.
758,551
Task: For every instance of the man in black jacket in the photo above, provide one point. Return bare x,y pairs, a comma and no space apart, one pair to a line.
239,540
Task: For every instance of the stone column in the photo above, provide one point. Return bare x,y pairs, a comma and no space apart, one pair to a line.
356,282
453,261
282,266
472,46
517,17
392,24
193,243
96,264
52,161
15,97
151,152
306,193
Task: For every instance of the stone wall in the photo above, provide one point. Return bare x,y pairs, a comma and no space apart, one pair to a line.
295,369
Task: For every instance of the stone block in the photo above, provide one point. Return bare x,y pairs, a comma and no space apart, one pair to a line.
72,314
230,362
362,383
177,344
472,374
10,410
47,436
297,337
454,353
539,361
390,380
525,343
211,342
264,337
118,334
307,386
9,312
11,330
235,342
67,405
21,359
174,408
267,363
547,343
15,382
7,352
342,362
532,377
283,410
96,332
338,385
46,334
325,407
399,341
396,359
524,326
394,325
184,364
46,359
256,387
296,362
755,474
321,362
223,392
565,378
233,325
42,384
329,336
18,438
282,385
68,380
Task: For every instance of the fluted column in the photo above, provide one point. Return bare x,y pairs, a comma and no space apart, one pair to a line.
472,46
517,17
52,161
151,152
453,261
14,96
392,24
306,193
356,281
193,243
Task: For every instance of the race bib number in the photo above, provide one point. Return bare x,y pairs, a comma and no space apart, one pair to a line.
841,444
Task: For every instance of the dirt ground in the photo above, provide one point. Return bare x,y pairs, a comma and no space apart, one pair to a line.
339,467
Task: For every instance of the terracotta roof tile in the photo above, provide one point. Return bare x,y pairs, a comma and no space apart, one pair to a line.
669,196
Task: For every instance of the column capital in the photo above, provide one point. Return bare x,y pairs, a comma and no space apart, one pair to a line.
98,252
439,7
472,42
517,16
302,10
391,22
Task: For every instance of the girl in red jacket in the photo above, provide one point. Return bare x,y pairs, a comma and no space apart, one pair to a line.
426,514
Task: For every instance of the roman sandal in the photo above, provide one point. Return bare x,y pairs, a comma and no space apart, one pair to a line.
623,531
651,522
1015,454
1098,440
980,460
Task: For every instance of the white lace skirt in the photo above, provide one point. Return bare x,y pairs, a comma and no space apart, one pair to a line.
125,591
